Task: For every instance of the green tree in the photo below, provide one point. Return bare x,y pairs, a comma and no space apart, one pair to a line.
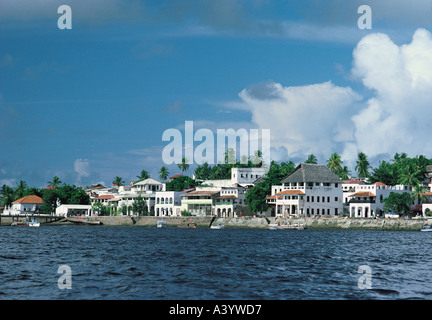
118,181
203,172
311,159
417,194
385,173
255,199
143,175
98,207
399,203
139,206
8,196
335,163
362,166
55,182
184,165
163,173
409,173
180,183
344,173
20,189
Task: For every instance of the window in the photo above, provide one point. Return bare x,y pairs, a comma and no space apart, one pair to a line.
307,199
336,199
328,199
317,199
312,199
336,185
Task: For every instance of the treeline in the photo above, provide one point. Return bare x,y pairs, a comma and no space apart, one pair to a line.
401,169
56,192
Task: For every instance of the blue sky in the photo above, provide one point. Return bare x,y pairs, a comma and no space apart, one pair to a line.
92,103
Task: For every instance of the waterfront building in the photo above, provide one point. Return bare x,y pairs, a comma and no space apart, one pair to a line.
363,200
69,210
168,203
30,204
311,190
247,176
200,201
231,202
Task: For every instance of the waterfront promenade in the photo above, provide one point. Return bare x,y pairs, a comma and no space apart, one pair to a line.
399,224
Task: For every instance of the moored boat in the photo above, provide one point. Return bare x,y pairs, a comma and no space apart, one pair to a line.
217,227
161,224
426,227
27,223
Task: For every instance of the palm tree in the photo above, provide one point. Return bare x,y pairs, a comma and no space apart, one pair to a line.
362,166
398,158
408,175
417,193
21,187
118,181
144,175
312,159
7,196
183,166
335,163
344,173
55,182
163,173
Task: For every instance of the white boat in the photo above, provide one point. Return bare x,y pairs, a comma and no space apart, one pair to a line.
427,227
27,223
219,226
34,223
161,224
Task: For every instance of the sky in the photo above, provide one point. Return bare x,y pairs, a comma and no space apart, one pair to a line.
92,102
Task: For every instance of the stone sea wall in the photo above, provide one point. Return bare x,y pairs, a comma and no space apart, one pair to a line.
263,223
260,223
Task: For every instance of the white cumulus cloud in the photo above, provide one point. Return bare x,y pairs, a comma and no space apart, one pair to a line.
303,119
397,117
324,118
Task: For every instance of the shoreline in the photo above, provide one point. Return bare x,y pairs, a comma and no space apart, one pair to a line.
257,223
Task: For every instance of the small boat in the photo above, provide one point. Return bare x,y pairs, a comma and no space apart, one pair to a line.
427,227
217,227
34,223
27,223
161,224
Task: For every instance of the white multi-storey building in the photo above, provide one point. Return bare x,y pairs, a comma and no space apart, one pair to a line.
168,203
247,176
366,200
311,190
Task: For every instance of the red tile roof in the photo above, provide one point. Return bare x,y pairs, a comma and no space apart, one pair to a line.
105,196
363,194
290,192
380,184
30,199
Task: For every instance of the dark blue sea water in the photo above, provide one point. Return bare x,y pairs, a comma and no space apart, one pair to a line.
172,263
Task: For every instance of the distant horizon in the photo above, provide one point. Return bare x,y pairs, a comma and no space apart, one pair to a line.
87,95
